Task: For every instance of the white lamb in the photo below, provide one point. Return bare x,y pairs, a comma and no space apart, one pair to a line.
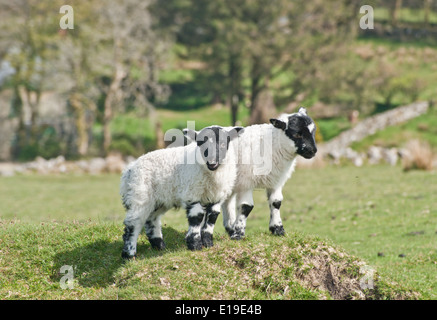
197,177
282,140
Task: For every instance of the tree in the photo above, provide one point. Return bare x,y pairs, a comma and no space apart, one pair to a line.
254,45
77,82
130,55
27,36
113,49
396,7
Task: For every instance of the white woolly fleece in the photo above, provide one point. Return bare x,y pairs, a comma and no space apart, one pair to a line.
163,178
264,147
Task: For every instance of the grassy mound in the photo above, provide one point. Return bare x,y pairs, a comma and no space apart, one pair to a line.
259,267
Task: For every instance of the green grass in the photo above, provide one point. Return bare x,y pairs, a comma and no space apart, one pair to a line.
369,210
258,267
45,198
408,15
330,128
51,221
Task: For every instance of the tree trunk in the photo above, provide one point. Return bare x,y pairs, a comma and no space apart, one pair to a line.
427,10
107,117
263,108
34,107
160,143
234,109
30,99
17,112
111,97
396,11
80,123
234,89
255,87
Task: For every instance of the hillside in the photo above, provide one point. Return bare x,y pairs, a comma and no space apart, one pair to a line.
260,267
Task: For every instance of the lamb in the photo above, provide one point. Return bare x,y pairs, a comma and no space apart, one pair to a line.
280,142
285,138
197,177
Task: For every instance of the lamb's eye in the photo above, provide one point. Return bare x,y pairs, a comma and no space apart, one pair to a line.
297,135
222,145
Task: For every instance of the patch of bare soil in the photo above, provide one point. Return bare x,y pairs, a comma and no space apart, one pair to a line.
326,269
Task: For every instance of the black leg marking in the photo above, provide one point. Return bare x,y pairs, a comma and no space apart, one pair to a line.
194,239
240,223
246,209
212,217
150,228
277,204
207,238
194,242
128,231
195,220
157,243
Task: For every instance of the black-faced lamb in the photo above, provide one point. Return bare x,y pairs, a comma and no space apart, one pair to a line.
267,158
197,177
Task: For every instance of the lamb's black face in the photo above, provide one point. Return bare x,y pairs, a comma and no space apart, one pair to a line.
301,129
214,143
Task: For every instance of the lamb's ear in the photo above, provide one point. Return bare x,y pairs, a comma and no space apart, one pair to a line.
278,124
237,130
303,111
190,134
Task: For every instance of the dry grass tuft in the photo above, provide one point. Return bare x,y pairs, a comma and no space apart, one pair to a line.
417,155
316,162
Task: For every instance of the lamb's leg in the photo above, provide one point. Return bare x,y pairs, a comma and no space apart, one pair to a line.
153,229
228,208
195,215
212,212
275,199
244,207
133,222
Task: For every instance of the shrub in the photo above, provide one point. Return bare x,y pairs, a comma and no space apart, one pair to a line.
417,155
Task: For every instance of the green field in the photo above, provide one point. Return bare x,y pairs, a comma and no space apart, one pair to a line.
50,221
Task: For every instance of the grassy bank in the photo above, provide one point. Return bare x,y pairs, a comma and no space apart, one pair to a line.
259,267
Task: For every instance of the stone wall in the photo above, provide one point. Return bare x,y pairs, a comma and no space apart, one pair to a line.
338,146
113,163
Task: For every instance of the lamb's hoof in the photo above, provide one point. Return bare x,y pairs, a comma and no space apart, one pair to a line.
126,256
207,240
231,232
194,243
157,243
237,236
277,230
195,246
